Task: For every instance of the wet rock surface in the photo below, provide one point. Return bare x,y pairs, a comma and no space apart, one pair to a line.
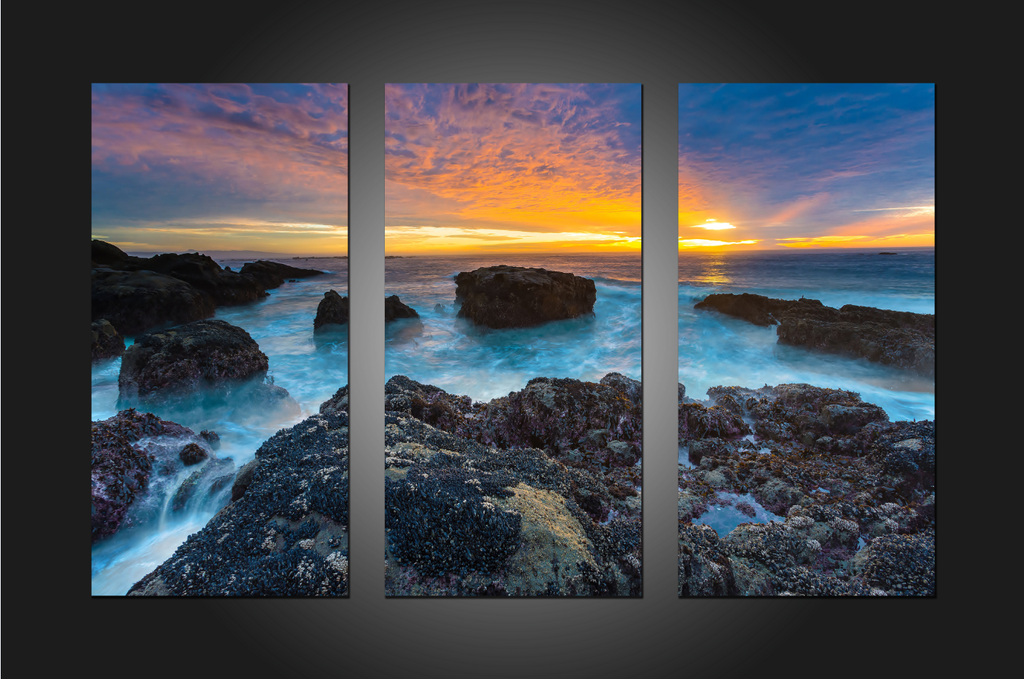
854,493
473,509
184,359
394,309
285,531
106,341
896,338
519,297
139,293
332,310
126,457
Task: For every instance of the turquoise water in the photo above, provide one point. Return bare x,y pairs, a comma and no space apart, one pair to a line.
312,368
457,356
715,349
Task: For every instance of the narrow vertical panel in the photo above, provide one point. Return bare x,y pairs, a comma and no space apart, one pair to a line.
513,401
807,340
220,340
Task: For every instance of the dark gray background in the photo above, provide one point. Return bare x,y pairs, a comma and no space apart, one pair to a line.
366,634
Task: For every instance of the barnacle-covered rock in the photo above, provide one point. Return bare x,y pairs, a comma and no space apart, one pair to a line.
285,533
849,482
465,518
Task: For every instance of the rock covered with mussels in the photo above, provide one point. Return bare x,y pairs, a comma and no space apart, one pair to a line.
505,517
285,530
854,493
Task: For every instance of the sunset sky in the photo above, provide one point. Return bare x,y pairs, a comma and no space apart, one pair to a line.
806,166
221,167
524,167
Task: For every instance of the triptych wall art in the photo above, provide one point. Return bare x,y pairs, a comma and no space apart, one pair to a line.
513,429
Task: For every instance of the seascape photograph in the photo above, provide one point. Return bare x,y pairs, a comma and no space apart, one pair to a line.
219,340
807,459
513,395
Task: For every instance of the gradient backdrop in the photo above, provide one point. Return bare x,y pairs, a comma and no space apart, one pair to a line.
367,635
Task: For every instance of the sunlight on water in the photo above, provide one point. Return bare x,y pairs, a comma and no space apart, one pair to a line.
312,368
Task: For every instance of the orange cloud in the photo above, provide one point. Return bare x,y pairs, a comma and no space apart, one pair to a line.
538,158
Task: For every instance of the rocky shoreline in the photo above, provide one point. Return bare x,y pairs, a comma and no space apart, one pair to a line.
852,495
135,294
900,339
285,530
533,494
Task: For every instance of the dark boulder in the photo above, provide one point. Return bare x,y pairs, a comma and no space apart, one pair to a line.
588,425
106,342
192,453
756,309
134,301
273,274
394,309
338,402
211,437
107,255
243,479
202,273
333,309
518,297
186,358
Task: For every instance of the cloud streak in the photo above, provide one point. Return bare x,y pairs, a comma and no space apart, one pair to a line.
556,159
220,163
807,163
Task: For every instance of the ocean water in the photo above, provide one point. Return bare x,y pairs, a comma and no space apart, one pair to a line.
461,358
312,368
717,350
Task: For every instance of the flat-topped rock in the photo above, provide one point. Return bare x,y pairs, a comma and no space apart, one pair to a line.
189,357
896,338
519,297
332,310
394,309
